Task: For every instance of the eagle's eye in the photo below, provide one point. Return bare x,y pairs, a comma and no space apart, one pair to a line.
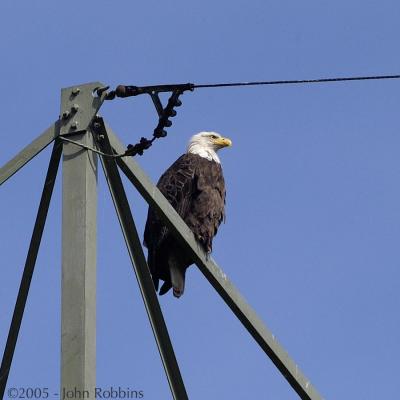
214,137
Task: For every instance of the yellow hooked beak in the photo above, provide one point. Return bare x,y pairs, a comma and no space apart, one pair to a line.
223,142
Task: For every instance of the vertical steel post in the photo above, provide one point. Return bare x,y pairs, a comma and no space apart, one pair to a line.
78,318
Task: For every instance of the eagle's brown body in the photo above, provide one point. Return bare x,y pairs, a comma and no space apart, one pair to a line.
195,187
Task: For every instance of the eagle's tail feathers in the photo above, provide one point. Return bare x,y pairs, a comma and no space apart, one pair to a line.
177,279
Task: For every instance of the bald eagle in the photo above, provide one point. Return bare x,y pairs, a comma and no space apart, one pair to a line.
195,187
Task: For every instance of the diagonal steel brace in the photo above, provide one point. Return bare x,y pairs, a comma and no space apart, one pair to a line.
29,266
29,152
141,269
214,274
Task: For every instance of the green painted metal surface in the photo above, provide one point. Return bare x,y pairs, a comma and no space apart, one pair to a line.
78,285
29,266
29,152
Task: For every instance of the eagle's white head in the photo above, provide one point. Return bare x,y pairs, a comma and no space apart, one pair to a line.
206,144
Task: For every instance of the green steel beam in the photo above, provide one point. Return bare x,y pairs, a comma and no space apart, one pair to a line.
142,272
215,275
29,266
79,106
78,281
29,152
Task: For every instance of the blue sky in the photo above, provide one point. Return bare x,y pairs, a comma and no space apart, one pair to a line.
313,181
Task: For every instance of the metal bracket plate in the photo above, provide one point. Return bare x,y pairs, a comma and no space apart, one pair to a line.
79,105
